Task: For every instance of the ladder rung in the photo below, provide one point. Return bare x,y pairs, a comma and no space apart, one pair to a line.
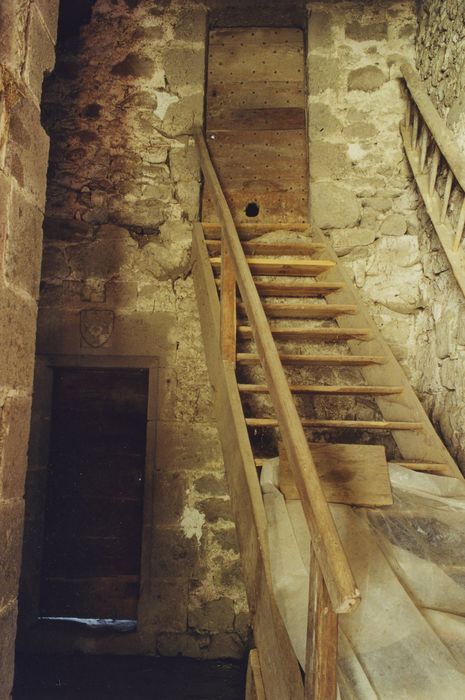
248,230
280,266
434,467
292,289
316,334
325,311
343,390
356,424
263,248
249,358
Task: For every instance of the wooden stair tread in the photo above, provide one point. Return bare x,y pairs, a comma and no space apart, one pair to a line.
352,424
317,334
250,358
279,266
293,289
263,248
343,390
250,230
324,311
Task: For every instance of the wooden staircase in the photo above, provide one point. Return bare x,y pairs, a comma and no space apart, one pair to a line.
256,297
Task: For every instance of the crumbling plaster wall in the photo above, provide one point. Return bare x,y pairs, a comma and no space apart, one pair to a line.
27,31
364,198
123,190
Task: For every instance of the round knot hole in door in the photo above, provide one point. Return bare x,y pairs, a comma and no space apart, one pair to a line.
252,209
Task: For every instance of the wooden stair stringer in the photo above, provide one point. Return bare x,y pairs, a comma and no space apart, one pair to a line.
281,672
424,445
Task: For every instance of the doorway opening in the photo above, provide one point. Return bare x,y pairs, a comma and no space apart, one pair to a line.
94,497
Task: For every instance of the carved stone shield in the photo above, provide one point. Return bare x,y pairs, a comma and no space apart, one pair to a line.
97,326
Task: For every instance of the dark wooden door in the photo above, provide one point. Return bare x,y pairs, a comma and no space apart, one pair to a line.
255,121
93,515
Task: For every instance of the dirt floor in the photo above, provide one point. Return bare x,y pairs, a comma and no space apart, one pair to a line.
44,677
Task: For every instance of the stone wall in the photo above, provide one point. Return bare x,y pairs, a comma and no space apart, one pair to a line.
27,32
440,59
364,198
123,190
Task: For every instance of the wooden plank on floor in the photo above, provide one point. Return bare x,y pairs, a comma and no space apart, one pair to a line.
356,475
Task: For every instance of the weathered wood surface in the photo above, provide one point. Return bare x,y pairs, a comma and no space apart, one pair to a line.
302,360
322,638
356,475
337,389
436,208
294,267
316,335
263,248
321,311
255,121
254,689
321,423
281,674
336,570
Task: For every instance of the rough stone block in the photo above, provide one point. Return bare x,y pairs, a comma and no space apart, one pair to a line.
27,150
213,616
169,611
191,25
40,55
319,30
184,66
169,497
328,160
49,11
11,535
173,554
18,327
324,74
188,446
7,649
345,240
24,244
322,121
14,433
226,646
370,31
333,206
210,484
393,225
227,539
366,79
216,509
13,19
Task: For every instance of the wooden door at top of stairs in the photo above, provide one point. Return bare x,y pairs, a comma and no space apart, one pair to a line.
255,122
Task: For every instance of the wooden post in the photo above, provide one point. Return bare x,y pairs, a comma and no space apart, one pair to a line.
460,225
415,127
321,661
228,306
254,688
433,173
423,146
447,191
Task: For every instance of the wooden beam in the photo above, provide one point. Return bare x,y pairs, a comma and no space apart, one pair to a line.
228,307
254,688
250,359
331,556
281,266
317,335
264,248
322,632
338,389
293,289
323,423
323,311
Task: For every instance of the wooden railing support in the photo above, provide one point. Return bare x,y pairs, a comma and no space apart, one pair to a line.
321,661
228,321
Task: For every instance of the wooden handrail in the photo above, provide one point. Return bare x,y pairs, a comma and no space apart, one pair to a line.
439,131
328,548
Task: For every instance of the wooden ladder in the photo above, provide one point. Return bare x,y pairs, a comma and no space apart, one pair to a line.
294,292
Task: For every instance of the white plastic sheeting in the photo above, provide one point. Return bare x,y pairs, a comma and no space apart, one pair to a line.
407,638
